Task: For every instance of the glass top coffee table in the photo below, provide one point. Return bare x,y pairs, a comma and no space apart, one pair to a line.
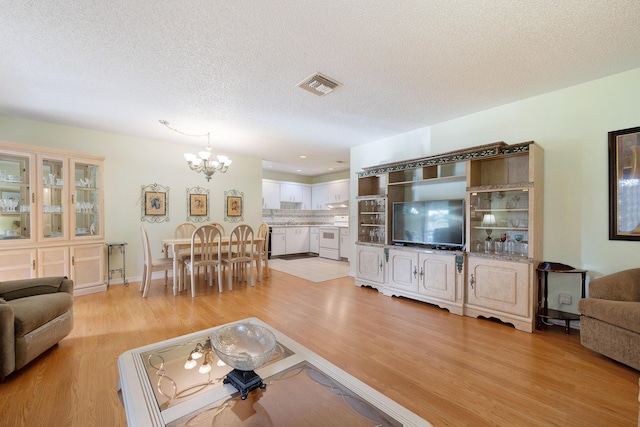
303,389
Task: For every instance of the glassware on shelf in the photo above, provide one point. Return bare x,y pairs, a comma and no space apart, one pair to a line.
519,245
510,246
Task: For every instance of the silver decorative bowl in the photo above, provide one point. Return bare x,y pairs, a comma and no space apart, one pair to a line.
243,346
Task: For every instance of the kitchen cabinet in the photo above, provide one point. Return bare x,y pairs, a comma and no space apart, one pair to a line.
338,191
289,240
290,192
306,198
59,212
345,245
314,240
278,241
297,239
270,194
319,197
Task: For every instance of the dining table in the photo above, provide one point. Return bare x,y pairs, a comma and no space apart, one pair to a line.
175,245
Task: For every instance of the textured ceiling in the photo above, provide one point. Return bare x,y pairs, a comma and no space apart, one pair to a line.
231,67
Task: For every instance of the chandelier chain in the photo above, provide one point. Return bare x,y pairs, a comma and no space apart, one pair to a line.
168,126
205,162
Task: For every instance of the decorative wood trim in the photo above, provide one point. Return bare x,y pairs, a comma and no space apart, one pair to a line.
474,153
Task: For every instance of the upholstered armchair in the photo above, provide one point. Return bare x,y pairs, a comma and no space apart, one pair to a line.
610,317
35,314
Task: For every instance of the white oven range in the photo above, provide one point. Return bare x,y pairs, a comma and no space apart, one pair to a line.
330,237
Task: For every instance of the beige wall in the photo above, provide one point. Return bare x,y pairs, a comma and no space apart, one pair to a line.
571,125
133,162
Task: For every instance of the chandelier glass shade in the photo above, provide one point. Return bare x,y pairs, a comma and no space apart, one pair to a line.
204,162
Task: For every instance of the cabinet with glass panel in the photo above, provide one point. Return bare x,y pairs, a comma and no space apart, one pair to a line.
372,209
87,199
372,219
504,229
16,221
499,222
51,215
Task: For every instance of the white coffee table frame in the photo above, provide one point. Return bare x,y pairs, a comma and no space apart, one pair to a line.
137,394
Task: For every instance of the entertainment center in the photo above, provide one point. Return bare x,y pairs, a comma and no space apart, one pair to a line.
461,230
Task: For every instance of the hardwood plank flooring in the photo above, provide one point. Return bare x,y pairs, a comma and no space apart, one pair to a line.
451,370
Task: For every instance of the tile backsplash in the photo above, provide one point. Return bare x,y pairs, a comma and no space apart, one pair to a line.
284,216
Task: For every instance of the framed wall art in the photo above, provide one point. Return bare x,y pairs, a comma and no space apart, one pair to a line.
197,204
155,203
624,184
234,206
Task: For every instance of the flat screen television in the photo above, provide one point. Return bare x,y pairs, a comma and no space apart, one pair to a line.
436,223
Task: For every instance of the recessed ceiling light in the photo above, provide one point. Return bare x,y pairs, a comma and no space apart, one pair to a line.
298,170
269,166
303,157
330,169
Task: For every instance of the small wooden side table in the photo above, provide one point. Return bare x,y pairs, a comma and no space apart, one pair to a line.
544,312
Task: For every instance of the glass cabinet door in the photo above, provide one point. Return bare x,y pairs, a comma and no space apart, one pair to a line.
15,196
372,219
499,222
87,199
53,198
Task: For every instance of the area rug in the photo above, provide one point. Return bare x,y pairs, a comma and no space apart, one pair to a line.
297,256
313,269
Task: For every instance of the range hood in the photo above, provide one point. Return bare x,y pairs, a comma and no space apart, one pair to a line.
335,205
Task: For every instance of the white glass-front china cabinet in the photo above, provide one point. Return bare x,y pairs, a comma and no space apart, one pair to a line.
51,216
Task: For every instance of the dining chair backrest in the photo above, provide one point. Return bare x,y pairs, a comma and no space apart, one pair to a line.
263,232
184,230
150,264
241,243
146,250
206,245
219,227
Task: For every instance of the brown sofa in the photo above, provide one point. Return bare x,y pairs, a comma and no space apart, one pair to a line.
610,317
35,314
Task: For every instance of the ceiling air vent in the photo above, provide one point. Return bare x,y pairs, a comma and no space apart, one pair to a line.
319,84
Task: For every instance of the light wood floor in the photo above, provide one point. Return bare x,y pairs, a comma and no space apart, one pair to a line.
451,370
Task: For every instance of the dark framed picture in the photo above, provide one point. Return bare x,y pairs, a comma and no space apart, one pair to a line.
198,205
155,203
234,206
624,184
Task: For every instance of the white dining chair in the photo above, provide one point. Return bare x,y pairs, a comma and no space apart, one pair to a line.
239,254
152,264
205,252
261,252
183,231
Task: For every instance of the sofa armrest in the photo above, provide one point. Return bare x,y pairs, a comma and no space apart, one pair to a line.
620,286
7,340
13,289
66,286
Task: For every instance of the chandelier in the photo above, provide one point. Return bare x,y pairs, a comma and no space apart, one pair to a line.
204,162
